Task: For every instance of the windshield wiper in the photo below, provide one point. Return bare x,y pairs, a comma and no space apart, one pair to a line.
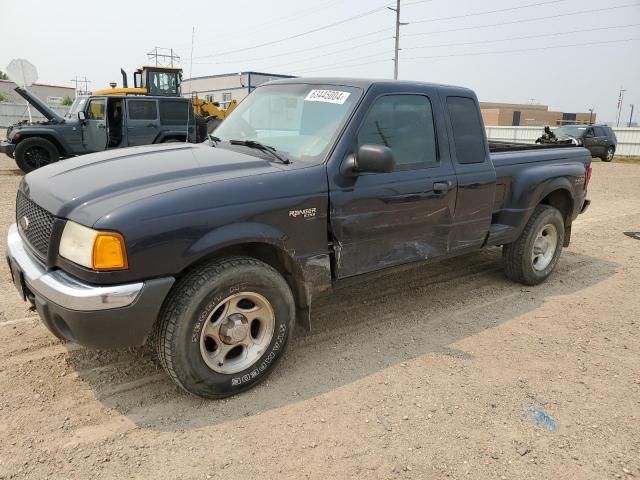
262,147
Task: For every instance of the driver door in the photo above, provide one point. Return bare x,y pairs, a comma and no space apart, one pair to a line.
94,130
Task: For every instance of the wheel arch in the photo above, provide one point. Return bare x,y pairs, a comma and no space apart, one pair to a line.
51,137
266,247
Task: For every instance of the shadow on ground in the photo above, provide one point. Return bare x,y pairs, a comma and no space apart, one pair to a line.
358,330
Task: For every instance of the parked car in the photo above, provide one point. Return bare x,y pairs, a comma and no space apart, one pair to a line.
600,140
214,251
98,123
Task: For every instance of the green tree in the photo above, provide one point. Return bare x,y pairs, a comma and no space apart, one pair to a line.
3,76
67,100
3,97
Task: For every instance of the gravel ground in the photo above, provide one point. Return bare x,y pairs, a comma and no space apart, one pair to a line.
440,371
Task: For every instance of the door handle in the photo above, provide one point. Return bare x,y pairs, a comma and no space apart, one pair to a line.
441,187
102,125
151,125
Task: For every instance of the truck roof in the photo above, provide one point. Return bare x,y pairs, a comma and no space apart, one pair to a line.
365,83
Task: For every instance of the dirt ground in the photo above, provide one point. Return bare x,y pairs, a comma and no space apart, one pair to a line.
442,371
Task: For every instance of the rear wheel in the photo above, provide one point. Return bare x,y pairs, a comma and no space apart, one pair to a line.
608,154
534,255
225,326
33,153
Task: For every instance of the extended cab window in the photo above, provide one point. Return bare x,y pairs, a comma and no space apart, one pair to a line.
467,130
142,109
404,123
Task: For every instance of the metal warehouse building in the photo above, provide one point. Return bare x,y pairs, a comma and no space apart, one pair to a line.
515,114
226,87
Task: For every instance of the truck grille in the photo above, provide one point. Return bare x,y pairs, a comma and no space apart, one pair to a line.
38,223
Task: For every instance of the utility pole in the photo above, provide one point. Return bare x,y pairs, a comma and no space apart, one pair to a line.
590,115
79,82
620,100
631,116
397,37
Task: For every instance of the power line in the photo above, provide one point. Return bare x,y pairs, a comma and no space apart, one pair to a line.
602,42
519,7
523,37
511,22
328,67
284,54
329,54
298,35
524,20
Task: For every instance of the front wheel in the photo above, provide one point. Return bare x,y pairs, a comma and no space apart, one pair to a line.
608,154
534,255
225,326
33,153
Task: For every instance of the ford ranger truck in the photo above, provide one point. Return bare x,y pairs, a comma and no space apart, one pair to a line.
214,251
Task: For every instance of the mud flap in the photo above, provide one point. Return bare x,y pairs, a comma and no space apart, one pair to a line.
567,236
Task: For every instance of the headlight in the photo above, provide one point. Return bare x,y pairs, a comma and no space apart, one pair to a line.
92,248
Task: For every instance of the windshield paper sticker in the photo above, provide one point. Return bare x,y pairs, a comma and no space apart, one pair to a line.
328,96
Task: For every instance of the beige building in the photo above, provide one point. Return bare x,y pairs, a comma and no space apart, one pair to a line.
514,114
53,95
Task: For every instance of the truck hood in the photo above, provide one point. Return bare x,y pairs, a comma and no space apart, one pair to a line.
89,187
39,105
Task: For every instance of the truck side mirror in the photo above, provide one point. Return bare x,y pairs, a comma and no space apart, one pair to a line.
370,158
375,158
82,116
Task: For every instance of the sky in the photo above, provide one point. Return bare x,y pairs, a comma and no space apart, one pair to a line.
572,55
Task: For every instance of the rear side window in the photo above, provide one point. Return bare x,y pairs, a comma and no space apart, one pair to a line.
174,113
600,132
467,130
404,123
143,109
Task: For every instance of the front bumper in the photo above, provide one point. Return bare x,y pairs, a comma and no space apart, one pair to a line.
112,316
7,148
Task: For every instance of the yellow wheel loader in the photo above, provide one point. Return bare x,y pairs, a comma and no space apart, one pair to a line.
167,81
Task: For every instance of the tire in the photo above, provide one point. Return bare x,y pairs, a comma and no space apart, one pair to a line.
195,326
522,259
33,153
608,154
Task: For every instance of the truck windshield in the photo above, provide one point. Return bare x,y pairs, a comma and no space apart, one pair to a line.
300,121
571,130
77,105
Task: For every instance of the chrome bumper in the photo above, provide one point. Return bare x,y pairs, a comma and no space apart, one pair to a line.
64,290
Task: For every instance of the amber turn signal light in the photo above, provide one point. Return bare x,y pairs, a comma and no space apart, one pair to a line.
109,252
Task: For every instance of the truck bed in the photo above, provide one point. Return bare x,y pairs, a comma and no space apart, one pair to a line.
517,170
498,146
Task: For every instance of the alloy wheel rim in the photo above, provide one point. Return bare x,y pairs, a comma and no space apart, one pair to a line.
544,247
36,157
237,332
609,153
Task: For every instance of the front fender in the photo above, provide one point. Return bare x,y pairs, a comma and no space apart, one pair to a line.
237,234
44,133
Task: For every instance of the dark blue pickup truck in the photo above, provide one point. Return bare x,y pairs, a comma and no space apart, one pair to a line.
213,251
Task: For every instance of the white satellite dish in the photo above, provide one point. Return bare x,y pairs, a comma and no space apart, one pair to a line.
22,72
